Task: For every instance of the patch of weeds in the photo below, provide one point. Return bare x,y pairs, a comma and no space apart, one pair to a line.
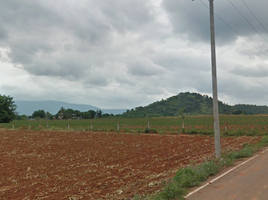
239,132
245,144
264,142
192,131
127,130
225,162
247,151
150,130
194,175
139,131
39,127
208,132
253,132
173,190
23,127
229,133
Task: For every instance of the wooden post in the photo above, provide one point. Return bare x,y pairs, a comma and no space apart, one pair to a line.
91,126
68,125
13,125
225,127
117,126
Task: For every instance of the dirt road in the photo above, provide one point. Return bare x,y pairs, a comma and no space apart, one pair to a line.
248,181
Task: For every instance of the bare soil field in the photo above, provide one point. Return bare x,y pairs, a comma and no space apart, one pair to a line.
84,165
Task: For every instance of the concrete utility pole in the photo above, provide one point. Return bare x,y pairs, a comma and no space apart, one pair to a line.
214,84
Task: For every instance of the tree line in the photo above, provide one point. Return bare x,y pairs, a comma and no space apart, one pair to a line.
8,112
65,114
190,103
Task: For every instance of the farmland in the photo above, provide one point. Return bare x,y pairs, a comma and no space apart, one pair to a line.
49,160
236,125
97,165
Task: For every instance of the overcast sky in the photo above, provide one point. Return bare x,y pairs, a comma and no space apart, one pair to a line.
125,53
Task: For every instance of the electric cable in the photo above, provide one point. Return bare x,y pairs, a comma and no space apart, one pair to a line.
247,20
255,16
235,30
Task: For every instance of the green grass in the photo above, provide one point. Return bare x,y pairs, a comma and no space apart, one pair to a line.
194,175
250,125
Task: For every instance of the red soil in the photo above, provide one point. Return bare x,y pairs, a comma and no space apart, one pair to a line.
85,165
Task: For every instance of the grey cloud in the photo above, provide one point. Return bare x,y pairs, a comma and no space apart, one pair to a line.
191,20
256,71
3,33
96,80
27,16
41,31
126,53
144,68
127,15
23,51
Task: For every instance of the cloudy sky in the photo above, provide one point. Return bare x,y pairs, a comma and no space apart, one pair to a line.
125,53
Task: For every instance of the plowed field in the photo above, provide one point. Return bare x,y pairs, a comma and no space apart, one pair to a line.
84,165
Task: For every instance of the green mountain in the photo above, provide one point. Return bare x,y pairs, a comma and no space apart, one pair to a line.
193,104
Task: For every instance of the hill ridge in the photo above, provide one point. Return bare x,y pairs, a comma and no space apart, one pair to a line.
194,104
28,107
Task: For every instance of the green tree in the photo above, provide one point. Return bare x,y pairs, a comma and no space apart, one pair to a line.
106,115
7,109
92,114
39,113
99,114
21,117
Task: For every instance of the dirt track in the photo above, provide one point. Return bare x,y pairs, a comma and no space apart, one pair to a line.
84,165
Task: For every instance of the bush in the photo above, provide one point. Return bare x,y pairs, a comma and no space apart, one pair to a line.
244,153
172,191
150,130
194,175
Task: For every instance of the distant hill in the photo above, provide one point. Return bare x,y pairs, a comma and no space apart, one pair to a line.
194,104
28,107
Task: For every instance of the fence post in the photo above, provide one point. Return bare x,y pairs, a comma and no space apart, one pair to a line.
13,125
91,126
117,126
47,125
68,125
225,127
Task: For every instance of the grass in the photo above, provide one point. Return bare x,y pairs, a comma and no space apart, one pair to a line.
237,125
194,175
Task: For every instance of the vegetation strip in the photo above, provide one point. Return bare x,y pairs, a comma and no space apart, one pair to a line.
194,175
191,193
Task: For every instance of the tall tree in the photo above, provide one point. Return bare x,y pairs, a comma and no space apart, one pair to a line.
39,113
99,113
7,109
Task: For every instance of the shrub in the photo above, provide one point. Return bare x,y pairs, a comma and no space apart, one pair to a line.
194,175
150,130
172,191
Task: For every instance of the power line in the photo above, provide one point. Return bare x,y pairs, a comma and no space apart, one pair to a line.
247,20
235,30
255,16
